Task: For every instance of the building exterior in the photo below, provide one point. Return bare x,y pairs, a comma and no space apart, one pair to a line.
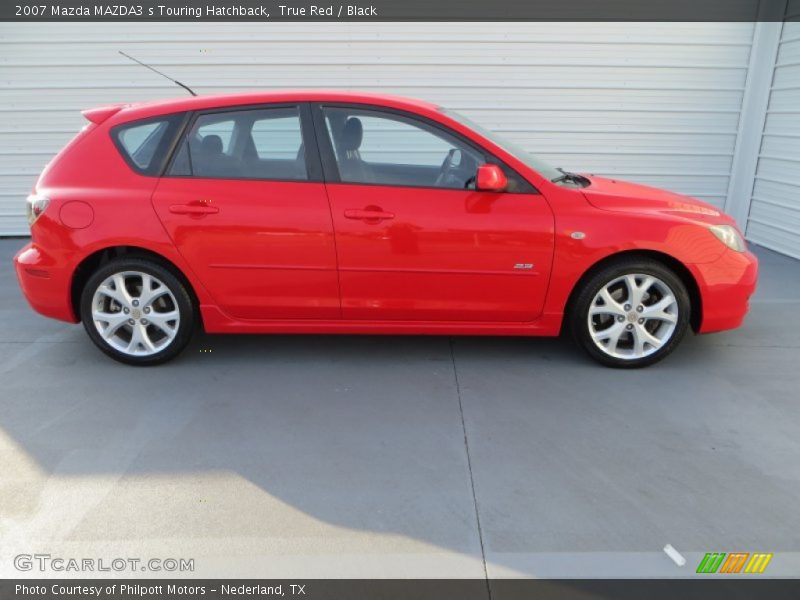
707,109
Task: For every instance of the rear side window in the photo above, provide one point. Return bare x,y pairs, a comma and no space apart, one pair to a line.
252,143
278,137
145,144
222,129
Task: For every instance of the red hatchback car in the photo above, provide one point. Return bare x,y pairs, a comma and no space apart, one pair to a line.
335,212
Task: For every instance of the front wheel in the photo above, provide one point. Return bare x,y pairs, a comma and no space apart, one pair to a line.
137,312
631,313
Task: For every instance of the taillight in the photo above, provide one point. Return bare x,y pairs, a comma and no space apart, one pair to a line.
36,205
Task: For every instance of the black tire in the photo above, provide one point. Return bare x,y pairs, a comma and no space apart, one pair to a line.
579,322
182,300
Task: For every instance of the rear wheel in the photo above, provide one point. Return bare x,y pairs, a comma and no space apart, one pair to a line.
631,313
137,312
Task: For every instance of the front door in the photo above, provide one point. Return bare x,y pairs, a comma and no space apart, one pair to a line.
242,207
415,240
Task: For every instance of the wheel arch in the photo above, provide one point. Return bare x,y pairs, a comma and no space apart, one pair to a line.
680,269
96,259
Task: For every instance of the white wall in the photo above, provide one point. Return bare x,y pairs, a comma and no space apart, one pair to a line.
657,103
774,216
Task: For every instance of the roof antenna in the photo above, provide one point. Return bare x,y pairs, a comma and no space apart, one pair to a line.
186,87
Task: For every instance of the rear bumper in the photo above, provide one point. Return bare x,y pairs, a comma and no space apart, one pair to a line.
45,285
725,288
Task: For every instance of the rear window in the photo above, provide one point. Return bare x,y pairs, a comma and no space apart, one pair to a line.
145,144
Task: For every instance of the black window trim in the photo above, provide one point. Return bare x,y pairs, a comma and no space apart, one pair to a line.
314,171
165,148
328,156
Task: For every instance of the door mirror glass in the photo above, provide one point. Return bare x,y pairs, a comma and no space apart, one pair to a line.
490,178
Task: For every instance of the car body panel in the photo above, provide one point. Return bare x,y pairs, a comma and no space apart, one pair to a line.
445,263
727,285
267,254
444,255
624,196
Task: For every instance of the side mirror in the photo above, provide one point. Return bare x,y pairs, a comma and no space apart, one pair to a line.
490,178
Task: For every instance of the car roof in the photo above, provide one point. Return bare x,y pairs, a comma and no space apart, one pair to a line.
141,110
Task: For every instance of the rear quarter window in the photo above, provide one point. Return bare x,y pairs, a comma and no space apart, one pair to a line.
145,144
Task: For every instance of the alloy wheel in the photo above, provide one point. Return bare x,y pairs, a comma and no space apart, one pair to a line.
633,316
135,313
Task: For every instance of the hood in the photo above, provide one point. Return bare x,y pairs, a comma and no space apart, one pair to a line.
622,196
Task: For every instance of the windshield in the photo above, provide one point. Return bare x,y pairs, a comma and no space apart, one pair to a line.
512,148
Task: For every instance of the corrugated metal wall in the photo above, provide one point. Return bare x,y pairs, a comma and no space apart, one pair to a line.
774,219
657,103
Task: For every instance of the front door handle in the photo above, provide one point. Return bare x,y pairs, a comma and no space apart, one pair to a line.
368,214
193,209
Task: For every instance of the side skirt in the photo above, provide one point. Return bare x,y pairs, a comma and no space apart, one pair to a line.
216,321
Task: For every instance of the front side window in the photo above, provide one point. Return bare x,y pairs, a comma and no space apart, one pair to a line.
246,144
381,148
537,164
144,144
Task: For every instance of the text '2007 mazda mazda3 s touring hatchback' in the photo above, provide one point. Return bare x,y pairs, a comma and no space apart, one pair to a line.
336,212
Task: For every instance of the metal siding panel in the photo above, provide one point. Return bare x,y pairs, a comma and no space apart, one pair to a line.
467,97
785,99
655,102
791,29
789,52
620,142
785,146
733,34
23,55
774,219
774,238
772,191
785,122
787,74
256,76
772,214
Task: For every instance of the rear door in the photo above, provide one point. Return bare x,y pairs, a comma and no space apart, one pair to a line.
244,203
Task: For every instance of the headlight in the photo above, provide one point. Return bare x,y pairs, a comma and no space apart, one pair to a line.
730,236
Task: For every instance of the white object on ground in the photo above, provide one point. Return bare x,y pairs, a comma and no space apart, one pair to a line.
676,556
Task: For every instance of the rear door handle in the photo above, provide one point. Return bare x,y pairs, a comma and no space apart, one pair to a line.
368,214
193,209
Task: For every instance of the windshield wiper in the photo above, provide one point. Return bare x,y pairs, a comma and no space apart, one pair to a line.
566,176
573,177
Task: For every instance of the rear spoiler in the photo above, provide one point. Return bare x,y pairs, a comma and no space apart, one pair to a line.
101,113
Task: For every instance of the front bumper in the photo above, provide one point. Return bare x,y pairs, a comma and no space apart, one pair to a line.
44,283
726,286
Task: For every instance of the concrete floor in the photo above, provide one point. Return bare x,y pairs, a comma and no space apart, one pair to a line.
277,456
